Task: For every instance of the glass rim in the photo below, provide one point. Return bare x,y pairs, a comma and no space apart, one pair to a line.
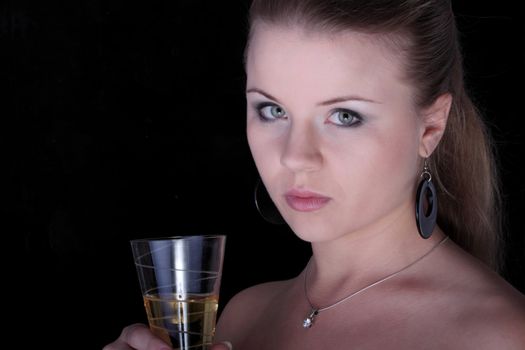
175,238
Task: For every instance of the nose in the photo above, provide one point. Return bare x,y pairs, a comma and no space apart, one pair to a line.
301,149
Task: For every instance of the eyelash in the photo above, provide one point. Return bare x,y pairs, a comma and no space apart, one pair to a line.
357,119
261,106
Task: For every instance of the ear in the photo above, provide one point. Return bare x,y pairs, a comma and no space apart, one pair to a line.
434,122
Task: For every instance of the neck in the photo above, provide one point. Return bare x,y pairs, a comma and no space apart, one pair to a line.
362,257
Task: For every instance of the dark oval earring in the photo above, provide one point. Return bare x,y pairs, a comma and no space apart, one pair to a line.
426,204
265,205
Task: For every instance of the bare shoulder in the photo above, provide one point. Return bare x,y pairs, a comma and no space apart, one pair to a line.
498,322
241,313
488,312
499,318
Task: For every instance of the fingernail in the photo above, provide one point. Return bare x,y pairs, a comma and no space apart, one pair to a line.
228,344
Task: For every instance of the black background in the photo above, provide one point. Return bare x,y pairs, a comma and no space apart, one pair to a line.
126,119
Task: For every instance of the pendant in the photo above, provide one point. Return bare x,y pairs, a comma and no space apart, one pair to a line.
309,320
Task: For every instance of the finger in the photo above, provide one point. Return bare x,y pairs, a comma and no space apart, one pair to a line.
117,345
226,345
139,337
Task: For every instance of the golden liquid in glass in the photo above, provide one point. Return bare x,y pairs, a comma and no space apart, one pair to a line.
184,323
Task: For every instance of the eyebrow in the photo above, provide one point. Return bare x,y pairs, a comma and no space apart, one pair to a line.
324,103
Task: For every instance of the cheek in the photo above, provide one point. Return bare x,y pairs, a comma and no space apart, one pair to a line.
379,165
401,151
261,147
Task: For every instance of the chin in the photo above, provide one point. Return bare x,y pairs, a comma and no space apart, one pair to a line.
311,230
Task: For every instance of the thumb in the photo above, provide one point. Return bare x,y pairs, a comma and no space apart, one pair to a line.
225,345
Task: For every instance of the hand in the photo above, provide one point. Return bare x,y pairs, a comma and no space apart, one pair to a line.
139,337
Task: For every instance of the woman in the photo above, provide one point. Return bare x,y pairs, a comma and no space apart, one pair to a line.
356,115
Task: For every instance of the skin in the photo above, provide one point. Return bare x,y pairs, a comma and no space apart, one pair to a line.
139,337
366,230
369,172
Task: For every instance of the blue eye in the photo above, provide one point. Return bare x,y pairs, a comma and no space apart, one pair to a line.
269,111
345,118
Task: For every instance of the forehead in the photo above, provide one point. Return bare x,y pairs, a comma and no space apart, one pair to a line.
284,57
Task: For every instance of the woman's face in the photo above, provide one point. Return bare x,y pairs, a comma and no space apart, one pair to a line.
332,129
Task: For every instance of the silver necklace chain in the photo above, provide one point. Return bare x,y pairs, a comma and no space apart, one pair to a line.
309,320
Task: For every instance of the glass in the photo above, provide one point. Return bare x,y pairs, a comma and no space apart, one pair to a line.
180,281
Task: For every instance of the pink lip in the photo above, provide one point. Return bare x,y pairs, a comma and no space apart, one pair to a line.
304,200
